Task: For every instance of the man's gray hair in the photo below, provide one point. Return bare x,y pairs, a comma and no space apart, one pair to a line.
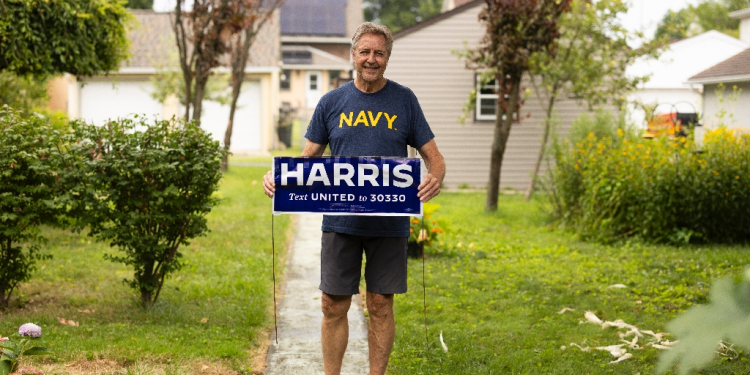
371,28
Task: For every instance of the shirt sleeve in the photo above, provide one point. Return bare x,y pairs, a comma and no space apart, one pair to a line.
420,129
317,131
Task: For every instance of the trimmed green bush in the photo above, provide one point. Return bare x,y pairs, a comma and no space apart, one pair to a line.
144,188
28,154
661,190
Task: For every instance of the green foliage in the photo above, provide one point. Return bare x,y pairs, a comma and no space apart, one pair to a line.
399,14
22,92
604,124
431,231
140,4
705,16
702,328
146,189
659,190
590,57
27,182
81,37
13,350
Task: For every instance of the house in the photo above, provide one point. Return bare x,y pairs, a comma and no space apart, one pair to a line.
668,89
128,91
726,86
424,60
315,49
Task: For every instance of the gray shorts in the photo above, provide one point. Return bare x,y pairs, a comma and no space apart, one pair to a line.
341,264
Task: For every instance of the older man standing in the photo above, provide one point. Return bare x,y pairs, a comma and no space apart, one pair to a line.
383,239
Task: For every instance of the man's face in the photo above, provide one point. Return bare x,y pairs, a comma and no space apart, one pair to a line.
370,57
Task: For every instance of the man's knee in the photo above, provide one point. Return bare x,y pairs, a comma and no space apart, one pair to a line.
335,306
380,305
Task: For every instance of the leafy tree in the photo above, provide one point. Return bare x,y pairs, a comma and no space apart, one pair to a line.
140,4
25,93
398,14
27,180
590,62
146,189
696,19
208,28
256,17
515,29
81,37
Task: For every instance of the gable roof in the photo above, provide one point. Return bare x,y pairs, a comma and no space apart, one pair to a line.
313,17
433,20
734,69
152,44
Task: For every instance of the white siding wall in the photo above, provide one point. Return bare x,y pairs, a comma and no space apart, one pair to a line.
423,61
737,110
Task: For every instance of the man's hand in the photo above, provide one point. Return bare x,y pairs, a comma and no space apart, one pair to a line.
269,185
433,160
429,188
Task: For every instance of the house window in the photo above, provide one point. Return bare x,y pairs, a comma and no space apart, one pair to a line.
487,101
285,81
313,82
296,57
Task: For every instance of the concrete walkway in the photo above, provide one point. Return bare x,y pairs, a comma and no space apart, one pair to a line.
299,316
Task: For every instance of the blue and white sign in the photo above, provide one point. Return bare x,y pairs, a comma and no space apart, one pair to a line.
347,186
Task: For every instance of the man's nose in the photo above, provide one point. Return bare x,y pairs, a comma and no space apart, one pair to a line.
371,57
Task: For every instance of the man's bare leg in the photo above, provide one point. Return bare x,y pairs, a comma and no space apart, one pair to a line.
382,331
335,331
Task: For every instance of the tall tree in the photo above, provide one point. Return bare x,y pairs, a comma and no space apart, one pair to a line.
44,38
240,46
203,37
514,29
591,57
398,14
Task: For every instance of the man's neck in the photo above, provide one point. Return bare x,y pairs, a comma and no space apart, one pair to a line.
369,87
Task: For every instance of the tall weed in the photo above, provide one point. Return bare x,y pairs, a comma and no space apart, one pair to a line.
661,190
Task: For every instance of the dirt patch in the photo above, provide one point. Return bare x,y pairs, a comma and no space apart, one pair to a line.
111,367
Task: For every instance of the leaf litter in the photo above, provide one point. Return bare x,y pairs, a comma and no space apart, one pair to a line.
619,351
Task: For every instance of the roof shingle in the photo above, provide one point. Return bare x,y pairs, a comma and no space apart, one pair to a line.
737,65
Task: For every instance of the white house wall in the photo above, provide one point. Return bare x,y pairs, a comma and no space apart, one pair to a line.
737,107
423,61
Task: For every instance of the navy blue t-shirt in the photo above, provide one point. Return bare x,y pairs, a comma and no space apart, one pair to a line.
356,123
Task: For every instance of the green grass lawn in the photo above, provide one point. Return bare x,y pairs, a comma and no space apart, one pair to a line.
496,282
212,316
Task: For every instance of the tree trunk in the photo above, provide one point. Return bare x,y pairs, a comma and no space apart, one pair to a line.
200,90
545,138
500,139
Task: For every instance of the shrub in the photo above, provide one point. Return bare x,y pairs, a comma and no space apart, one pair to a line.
146,189
662,190
27,179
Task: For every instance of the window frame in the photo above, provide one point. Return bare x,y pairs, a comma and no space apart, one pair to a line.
478,117
285,82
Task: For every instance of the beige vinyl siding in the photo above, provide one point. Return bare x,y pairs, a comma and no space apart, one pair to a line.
423,61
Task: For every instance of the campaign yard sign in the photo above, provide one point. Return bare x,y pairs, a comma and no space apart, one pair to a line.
347,186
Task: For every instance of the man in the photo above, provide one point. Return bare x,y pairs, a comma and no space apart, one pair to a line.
384,239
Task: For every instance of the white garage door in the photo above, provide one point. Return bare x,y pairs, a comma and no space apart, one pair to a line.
102,101
246,133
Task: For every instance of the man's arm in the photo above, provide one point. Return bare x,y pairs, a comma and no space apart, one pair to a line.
433,160
311,149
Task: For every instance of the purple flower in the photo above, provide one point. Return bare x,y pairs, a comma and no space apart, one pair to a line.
30,329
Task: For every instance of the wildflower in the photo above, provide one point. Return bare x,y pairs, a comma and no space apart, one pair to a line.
411,230
30,329
437,230
415,221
